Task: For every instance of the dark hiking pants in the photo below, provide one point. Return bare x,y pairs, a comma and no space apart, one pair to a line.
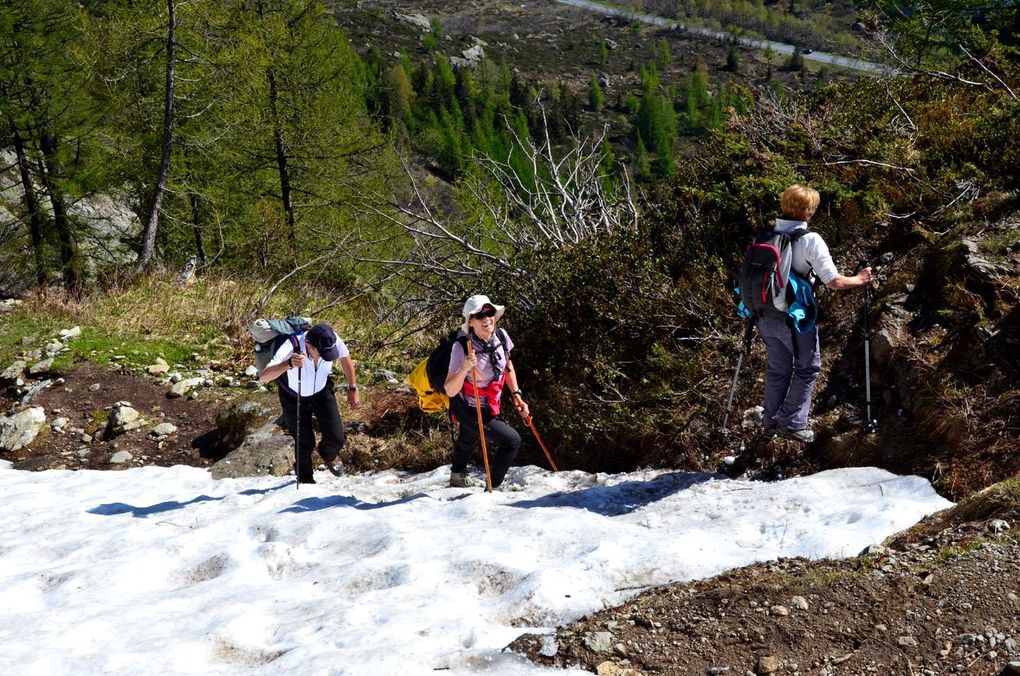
502,441
794,364
322,406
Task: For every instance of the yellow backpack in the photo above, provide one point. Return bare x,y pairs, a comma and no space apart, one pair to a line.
429,400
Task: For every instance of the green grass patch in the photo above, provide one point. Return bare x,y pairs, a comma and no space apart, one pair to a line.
959,550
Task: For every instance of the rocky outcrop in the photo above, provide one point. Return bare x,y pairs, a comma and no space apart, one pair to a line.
265,450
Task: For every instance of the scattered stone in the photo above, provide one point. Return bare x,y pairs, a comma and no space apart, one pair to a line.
59,424
94,387
907,641
598,642
874,550
20,429
998,526
53,347
768,664
614,669
779,611
251,372
159,368
123,418
183,387
799,602
41,368
163,430
86,438
384,376
175,377
12,372
68,334
120,458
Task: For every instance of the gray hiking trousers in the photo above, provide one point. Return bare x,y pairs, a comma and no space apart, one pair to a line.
795,361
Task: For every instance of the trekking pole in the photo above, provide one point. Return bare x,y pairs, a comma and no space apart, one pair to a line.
744,349
870,424
481,428
297,433
530,422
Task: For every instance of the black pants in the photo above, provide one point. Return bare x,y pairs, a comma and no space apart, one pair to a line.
322,406
502,440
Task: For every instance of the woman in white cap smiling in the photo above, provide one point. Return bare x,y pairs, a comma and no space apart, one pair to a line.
313,374
491,361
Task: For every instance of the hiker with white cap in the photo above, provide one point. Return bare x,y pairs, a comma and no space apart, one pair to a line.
490,362
306,372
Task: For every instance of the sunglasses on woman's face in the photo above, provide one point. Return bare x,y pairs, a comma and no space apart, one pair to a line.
490,312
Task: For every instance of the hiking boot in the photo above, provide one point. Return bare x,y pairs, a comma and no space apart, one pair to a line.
804,436
769,432
460,480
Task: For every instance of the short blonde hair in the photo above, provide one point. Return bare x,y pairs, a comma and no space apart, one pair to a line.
797,201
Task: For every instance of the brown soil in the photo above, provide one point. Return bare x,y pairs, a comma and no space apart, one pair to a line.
87,407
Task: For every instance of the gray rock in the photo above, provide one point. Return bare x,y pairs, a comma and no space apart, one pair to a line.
799,602
20,429
94,387
998,526
474,54
41,368
265,450
779,611
251,372
384,376
183,387
874,550
907,641
120,458
413,18
123,418
163,430
59,423
235,423
53,347
598,642
12,372
68,334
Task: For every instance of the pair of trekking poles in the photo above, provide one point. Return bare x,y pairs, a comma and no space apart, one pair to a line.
481,429
870,424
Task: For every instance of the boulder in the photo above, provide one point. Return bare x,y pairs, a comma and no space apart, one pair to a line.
235,423
163,430
267,450
413,18
120,458
20,429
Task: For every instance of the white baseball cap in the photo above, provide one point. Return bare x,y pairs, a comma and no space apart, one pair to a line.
475,304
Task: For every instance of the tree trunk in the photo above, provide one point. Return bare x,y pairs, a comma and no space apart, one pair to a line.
50,172
196,223
282,166
152,223
35,219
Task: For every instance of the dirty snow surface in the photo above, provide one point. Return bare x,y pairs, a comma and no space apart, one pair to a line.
167,571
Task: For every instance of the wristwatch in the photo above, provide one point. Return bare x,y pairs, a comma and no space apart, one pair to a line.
351,388
518,393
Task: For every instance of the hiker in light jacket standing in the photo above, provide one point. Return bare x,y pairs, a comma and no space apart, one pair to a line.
312,366
794,359
491,361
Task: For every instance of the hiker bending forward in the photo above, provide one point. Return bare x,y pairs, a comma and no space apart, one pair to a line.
309,370
794,359
491,362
